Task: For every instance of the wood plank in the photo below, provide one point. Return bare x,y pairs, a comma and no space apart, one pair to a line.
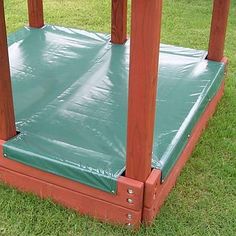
84,204
35,13
144,60
218,29
119,21
152,187
7,118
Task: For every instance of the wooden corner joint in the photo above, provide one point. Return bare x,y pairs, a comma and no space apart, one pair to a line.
131,193
152,190
152,185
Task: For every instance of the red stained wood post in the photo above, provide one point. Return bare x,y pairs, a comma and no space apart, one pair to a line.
35,12
144,60
218,29
119,21
7,118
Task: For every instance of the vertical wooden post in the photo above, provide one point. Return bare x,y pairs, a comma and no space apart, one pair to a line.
144,59
119,21
35,12
218,29
7,119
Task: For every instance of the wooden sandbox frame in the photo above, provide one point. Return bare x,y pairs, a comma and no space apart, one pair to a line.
140,192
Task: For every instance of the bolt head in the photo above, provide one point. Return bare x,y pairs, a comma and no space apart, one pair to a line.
130,191
130,201
129,216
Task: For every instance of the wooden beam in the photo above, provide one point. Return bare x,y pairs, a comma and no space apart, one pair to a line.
218,29
144,60
119,21
35,12
7,119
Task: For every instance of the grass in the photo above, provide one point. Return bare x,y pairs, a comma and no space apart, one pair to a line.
204,200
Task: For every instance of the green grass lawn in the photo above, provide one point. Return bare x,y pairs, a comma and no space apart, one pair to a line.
204,200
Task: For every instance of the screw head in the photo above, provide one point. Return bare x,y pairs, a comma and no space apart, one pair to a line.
129,216
130,191
130,201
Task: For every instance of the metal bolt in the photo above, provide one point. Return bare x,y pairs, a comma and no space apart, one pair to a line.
129,216
130,201
130,191
5,155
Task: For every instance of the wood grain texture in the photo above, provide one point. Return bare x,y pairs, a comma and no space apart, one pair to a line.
7,118
84,204
218,29
119,21
144,60
35,12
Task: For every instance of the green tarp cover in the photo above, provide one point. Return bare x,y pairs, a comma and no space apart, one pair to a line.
70,95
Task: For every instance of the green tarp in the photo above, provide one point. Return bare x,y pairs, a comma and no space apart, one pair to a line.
70,94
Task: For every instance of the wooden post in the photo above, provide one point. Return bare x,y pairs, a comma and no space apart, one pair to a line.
144,60
119,21
218,29
35,12
7,119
